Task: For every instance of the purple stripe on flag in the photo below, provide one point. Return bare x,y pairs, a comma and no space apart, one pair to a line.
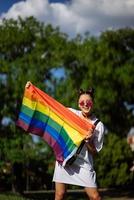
28,128
56,147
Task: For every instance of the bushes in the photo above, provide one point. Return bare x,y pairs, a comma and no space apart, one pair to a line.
10,196
113,162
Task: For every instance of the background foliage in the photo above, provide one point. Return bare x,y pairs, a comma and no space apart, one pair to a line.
30,50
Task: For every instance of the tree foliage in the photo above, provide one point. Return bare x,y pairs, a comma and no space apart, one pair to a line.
114,162
30,50
105,63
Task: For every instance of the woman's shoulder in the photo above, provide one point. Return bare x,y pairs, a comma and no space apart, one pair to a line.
97,121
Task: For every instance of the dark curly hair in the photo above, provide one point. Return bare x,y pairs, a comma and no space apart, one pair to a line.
90,91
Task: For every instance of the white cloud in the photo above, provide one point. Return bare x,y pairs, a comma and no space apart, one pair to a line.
78,16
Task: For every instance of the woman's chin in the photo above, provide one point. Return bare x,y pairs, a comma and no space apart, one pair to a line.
85,111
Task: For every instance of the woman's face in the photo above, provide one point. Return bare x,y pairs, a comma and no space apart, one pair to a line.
85,103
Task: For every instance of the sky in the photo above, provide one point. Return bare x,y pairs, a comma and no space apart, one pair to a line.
74,16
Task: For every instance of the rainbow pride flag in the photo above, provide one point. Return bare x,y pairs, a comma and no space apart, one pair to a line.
42,115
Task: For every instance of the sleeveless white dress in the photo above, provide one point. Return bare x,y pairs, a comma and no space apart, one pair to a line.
81,171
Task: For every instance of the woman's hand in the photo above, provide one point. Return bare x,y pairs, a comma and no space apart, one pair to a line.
89,142
28,84
91,147
89,135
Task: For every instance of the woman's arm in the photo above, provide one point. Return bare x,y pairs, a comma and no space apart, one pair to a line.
91,147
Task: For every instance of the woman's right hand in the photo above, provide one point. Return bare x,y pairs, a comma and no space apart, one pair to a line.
28,84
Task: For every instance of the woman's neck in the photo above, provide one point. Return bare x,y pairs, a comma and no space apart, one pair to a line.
86,115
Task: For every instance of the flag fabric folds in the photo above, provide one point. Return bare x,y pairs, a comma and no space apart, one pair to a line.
42,115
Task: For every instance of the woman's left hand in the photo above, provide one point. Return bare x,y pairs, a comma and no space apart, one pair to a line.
28,84
89,134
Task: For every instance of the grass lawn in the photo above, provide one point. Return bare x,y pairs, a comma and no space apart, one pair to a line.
10,197
38,196
16,197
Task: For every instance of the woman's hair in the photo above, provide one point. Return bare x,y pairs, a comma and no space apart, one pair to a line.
90,91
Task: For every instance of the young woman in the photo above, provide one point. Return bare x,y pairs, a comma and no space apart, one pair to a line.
81,171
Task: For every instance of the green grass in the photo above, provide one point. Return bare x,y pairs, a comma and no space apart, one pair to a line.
10,197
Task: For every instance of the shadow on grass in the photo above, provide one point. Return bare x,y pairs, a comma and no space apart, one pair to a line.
118,193
80,194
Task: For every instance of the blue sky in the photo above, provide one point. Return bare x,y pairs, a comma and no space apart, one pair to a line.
6,4
73,16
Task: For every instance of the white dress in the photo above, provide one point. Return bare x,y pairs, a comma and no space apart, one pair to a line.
81,171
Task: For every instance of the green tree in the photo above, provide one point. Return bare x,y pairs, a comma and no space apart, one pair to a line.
29,50
113,163
105,63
